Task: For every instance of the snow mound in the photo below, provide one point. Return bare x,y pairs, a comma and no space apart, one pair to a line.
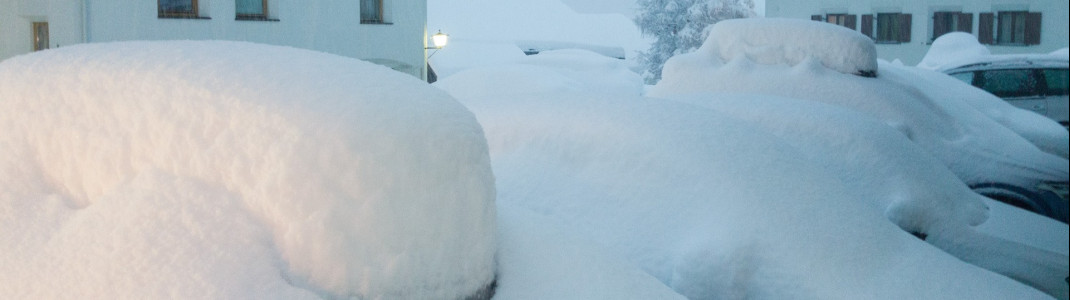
1063,53
913,189
790,42
953,49
708,204
558,70
236,170
972,145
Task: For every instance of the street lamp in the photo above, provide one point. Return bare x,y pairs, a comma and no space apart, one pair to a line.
439,40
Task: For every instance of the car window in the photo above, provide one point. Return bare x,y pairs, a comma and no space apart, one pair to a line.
1009,83
966,77
1057,81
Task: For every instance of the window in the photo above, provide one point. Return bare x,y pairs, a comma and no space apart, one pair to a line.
1009,28
1057,81
1010,83
40,36
251,9
893,28
371,12
844,20
951,21
176,8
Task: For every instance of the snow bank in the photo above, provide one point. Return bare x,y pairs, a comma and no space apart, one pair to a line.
540,259
913,189
953,49
1063,53
790,42
492,30
973,146
951,93
235,170
958,49
710,205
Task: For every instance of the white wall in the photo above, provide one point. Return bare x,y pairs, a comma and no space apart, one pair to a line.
1054,32
64,19
331,26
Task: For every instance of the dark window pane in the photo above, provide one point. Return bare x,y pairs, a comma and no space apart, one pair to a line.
176,6
966,77
40,36
1010,83
888,27
1011,27
1057,81
250,7
371,11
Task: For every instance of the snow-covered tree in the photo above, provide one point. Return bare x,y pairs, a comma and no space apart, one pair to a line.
680,26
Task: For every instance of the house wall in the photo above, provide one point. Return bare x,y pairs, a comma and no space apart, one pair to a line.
64,19
325,25
1053,33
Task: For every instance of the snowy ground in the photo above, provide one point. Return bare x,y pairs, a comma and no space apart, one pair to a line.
215,170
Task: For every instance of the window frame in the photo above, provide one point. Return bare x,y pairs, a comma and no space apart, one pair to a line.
193,13
845,20
1016,33
953,21
40,36
379,17
262,16
892,28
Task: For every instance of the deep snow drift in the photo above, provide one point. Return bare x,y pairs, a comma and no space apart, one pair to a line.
714,206
234,170
971,144
953,49
491,32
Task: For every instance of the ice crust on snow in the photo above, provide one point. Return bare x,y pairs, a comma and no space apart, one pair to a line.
972,145
711,205
790,42
235,170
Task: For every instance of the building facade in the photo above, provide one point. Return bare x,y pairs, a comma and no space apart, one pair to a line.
390,33
904,29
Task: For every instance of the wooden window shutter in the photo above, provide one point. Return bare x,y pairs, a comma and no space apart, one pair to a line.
985,24
1032,28
815,18
850,21
940,24
867,25
904,28
965,22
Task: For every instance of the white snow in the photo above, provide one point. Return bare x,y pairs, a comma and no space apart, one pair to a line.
714,206
972,145
958,49
953,49
790,41
486,32
234,170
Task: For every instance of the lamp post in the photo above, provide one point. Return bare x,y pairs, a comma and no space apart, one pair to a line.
438,41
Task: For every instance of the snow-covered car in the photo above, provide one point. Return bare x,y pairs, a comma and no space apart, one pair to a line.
989,144
984,144
1037,83
215,170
